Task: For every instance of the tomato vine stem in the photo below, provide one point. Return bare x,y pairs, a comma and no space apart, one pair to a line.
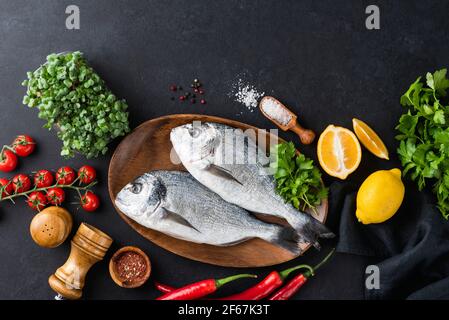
56,185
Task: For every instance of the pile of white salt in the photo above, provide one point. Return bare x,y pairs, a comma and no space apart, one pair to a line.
275,111
247,94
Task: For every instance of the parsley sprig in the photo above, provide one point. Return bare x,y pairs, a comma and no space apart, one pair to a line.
73,98
424,135
298,180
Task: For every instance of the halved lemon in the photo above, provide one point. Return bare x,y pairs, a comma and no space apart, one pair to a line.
370,139
339,151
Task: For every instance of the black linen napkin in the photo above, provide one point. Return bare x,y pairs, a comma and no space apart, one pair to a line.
412,247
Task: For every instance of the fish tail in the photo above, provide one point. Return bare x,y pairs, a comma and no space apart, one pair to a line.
310,230
287,238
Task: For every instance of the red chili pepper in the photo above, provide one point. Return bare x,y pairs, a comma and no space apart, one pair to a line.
200,289
291,287
271,282
163,287
297,282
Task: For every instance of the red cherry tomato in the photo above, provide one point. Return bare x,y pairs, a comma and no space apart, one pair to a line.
23,145
55,196
37,200
87,174
8,161
6,187
43,179
21,183
90,201
65,176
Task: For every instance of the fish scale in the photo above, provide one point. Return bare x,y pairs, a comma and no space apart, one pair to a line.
174,203
241,183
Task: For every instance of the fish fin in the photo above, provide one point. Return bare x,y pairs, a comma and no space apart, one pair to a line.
288,239
233,243
312,230
176,218
221,172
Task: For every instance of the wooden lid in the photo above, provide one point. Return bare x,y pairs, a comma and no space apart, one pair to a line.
95,235
51,227
92,240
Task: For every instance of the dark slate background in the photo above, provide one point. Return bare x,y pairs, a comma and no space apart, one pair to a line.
316,56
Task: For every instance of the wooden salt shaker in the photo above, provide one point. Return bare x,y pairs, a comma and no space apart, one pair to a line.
88,246
305,135
51,227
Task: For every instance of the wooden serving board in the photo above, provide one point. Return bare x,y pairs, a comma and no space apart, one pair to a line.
148,148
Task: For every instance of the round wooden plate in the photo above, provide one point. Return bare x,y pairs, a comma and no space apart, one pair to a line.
148,148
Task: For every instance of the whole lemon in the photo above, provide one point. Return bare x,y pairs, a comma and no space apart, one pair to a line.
380,196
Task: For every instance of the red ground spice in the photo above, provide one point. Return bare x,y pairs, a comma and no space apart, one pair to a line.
131,267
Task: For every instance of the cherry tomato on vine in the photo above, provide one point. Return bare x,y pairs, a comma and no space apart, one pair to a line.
6,187
23,145
65,175
87,174
43,179
8,161
90,202
55,196
21,183
37,200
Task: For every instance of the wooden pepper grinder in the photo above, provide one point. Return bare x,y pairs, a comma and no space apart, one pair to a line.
88,246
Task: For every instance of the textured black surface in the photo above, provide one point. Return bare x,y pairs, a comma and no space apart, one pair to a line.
316,56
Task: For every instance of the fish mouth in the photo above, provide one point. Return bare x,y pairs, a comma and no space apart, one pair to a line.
130,207
177,133
121,204
127,209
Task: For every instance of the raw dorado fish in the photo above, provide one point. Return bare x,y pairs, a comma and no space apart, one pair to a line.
174,203
225,160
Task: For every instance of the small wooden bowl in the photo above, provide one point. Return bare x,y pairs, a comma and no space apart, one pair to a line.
123,282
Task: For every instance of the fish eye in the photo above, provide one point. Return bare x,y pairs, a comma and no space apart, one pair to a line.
194,132
136,188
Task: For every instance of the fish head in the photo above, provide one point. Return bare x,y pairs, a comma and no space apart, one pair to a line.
196,141
142,197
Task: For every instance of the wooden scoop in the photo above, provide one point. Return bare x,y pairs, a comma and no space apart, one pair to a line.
305,135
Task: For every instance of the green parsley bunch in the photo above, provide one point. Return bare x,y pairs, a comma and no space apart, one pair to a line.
298,181
424,135
73,98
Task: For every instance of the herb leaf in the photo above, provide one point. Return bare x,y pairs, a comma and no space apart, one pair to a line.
424,135
72,97
298,181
